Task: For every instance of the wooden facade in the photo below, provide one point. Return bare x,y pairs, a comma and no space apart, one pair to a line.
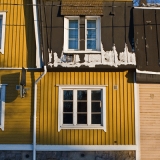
119,109
18,123
149,121
19,50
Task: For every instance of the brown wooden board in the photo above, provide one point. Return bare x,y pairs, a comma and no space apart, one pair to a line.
147,78
119,26
158,32
106,27
57,30
129,30
139,38
151,39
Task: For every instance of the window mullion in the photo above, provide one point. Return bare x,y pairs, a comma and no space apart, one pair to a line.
74,107
89,107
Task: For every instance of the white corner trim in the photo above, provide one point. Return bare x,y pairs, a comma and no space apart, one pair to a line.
3,14
29,147
137,118
147,72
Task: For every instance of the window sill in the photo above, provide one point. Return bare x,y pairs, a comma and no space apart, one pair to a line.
85,52
82,127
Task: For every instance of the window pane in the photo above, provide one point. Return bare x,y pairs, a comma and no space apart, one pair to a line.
67,95
82,107
0,30
73,23
96,118
91,44
68,107
73,33
73,44
96,95
96,107
91,33
82,95
82,119
91,23
67,118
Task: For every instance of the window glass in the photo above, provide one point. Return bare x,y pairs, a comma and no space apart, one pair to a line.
91,34
0,31
73,34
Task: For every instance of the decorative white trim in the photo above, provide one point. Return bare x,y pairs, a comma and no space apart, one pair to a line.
137,117
75,125
147,7
29,147
109,58
86,52
147,72
2,104
3,14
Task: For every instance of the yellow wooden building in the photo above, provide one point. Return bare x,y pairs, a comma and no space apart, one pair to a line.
37,122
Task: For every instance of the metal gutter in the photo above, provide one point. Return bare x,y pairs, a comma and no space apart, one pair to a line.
37,38
35,111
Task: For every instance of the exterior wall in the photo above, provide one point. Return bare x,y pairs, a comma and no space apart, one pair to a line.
18,126
19,38
10,155
119,109
149,121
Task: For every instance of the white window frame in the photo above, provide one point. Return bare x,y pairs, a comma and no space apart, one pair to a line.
3,15
2,105
66,35
98,32
83,126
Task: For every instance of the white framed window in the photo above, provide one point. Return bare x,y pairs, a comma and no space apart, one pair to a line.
2,31
72,34
82,107
92,33
2,105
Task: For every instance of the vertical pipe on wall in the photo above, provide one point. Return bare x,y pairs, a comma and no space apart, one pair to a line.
35,111
37,39
137,118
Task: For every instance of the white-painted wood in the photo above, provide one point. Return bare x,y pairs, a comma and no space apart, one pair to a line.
29,147
137,118
147,72
3,16
147,7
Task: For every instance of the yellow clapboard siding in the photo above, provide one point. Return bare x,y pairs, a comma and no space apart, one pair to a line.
119,109
18,126
20,48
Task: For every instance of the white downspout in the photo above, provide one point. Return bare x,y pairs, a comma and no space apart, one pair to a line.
37,39
35,111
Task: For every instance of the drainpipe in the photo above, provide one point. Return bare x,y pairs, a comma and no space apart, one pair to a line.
35,111
37,39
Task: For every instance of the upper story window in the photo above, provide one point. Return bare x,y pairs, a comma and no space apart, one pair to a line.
2,31
2,105
82,107
73,35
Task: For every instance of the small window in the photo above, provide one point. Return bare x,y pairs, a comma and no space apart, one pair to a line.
82,107
92,31
2,31
2,105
